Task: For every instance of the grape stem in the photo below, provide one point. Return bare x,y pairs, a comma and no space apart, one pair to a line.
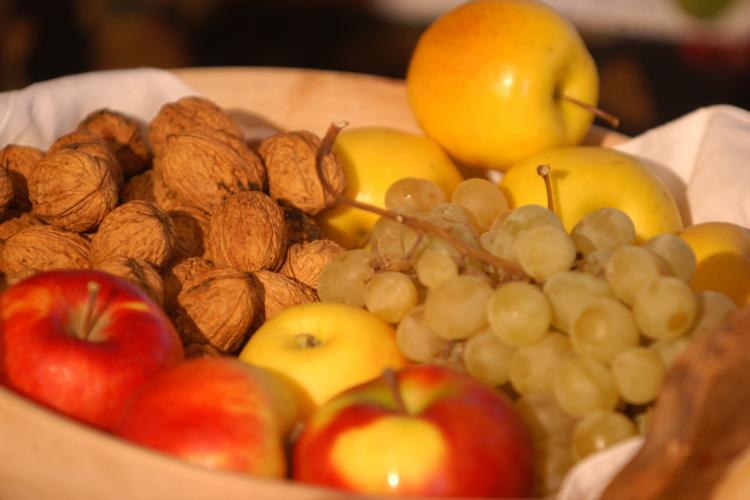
544,170
422,227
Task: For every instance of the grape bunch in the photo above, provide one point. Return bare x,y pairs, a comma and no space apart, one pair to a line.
582,343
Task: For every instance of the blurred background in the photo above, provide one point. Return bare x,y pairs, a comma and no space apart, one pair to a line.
657,59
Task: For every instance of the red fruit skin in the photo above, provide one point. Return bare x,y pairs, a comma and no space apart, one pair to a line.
212,411
89,380
490,451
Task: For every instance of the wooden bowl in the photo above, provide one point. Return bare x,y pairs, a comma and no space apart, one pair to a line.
47,456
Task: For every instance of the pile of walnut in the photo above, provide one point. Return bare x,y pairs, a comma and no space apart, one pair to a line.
219,234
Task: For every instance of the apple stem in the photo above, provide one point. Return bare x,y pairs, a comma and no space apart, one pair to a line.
544,171
512,270
93,292
611,119
389,375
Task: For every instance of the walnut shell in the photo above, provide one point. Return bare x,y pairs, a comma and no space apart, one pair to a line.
191,228
72,189
136,229
301,228
279,292
178,274
305,261
11,279
290,160
247,232
217,307
16,222
185,114
149,186
44,248
205,166
122,135
90,143
138,272
7,193
19,161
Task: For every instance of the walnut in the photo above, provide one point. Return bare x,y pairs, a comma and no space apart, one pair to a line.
16,222
304,261
6,191
191,227
90,143
217,307
13,278
19,161
205,166
198,350
123,137
247,232
149,186
178,274
44,247
279,292
136,229
290,159
72,189
138,272
185,114
301,228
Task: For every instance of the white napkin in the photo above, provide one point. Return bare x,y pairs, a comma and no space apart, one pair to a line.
704,158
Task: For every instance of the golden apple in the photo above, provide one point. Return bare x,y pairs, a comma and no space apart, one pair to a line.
587,178
373,158
487,81
324,347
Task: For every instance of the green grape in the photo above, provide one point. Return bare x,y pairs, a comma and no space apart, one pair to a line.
604,328
389,295
639,374
500,244
434,268
545,418
569,293
519,313
343,278
392,243
487,358
544,251
669,349
631,268
533,368
552,463
584,385
713,308
527,217
416,340
482,199
595,263
455,309
413,195
676,253
603,229
665,308
449,214
600,430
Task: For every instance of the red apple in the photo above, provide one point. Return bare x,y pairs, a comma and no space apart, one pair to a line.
428,431
81,342
219,413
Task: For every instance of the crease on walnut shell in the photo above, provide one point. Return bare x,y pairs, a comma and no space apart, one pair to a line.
182,271
44,248
247,232
136,229
188,113
279,292
291,164
138,272
72,189
300,227
305,261
122,134
217,307
203,167
19,161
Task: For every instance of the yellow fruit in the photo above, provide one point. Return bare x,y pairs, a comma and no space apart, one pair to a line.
722,252
373,158
587,178
486,81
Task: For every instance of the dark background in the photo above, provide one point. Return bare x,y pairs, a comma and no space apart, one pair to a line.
644,82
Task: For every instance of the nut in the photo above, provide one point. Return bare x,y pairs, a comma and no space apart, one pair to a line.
138,272
290,159
175,278
13,278
15,222
217,307
185,114
149,186
205,166
191,228
301,228
88,142
123,137
279,292
19,161
44,247
6,191
304,261
247,232
72,189
136,229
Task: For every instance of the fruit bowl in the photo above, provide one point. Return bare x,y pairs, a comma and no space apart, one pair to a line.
49,456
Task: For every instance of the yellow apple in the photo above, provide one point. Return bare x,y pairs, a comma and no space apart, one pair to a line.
487,81
373,158
722,252
587,178
324,347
